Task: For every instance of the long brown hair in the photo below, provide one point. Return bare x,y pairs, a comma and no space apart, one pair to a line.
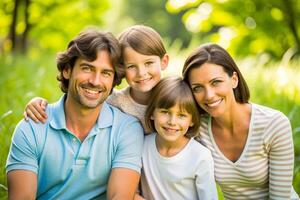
214,54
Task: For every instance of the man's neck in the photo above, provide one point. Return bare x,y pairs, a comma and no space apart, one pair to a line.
80,120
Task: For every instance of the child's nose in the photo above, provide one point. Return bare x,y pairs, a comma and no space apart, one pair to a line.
142,71
172,120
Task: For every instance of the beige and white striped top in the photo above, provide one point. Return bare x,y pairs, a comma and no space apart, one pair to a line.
265,167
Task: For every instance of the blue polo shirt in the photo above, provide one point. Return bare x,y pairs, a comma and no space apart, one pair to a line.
68,168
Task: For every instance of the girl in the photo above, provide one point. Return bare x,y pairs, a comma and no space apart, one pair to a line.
144,57
175,166
252,145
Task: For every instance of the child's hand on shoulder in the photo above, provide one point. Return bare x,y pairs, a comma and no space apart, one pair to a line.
36,110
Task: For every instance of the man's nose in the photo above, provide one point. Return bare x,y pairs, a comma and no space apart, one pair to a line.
95,79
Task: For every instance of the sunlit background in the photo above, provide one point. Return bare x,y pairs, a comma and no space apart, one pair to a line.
262,35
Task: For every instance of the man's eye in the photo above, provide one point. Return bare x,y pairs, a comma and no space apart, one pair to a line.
107,73
86,68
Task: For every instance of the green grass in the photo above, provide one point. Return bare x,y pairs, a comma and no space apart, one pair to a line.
25,77
21,79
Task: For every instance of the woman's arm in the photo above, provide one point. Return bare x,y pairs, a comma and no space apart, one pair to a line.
281,157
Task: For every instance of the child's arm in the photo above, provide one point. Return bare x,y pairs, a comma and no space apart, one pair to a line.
36,110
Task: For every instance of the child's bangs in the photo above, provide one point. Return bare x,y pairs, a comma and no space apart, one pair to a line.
178,96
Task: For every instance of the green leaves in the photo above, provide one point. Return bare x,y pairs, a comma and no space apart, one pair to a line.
257,26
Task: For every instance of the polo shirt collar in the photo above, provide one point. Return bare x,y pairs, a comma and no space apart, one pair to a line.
106,116
58,120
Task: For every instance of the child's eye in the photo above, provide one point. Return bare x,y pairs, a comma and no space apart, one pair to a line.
197,89
149,63
130,66
182,115
164,111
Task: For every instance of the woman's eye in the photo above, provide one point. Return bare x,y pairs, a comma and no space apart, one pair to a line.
197,89
216,82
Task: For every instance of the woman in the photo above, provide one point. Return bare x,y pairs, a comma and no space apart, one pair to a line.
252,145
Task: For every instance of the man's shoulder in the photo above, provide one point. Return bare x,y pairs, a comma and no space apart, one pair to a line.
31,128
119,114
54,107
123,123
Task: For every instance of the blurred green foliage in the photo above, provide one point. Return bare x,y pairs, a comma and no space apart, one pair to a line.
258,31
246,27
50,22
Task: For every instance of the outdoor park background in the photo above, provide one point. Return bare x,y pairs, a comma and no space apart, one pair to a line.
262,35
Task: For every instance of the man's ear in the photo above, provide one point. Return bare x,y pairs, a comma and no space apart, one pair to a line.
67,72
164,62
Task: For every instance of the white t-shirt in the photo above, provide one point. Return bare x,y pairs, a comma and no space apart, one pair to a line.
188,175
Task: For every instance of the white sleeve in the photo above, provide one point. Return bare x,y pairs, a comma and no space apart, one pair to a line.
205,180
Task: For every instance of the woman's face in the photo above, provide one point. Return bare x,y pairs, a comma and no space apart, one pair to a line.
213,88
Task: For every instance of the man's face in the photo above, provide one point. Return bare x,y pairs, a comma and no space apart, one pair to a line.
90,83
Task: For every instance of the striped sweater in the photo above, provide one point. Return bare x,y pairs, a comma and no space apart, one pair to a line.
122,100
265,168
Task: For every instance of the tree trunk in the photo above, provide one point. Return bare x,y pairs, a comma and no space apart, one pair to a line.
290,16
12,31
27,27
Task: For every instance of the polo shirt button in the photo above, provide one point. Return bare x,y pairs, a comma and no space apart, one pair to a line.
74,140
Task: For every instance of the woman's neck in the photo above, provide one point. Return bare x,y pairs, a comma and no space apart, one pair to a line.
237,115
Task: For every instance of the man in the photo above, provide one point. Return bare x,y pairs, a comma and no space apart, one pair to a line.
87,149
